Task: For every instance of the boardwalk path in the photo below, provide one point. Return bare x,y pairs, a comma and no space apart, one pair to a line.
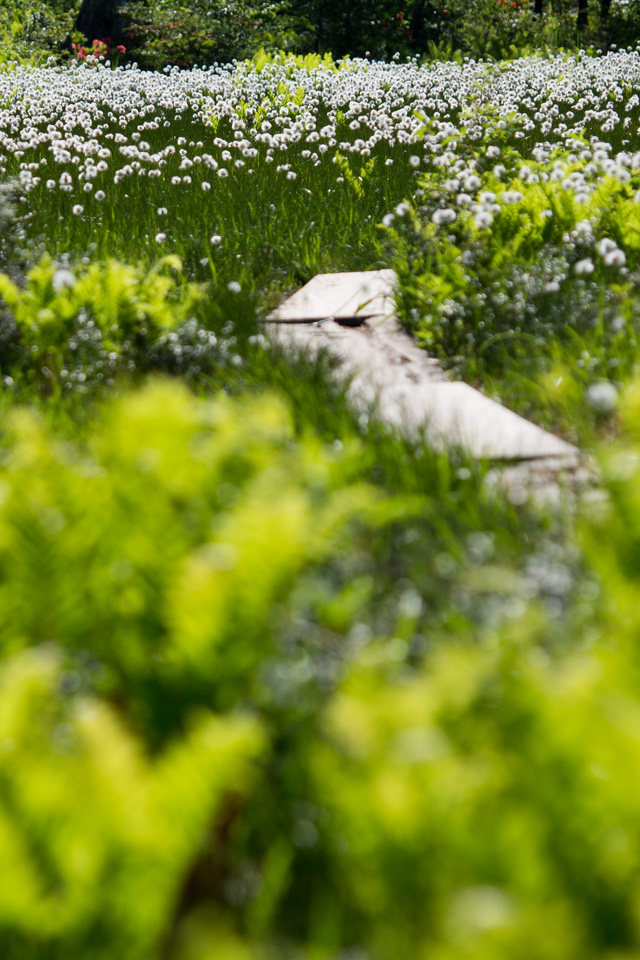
352,316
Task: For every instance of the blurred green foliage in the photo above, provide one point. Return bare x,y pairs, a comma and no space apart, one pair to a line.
225,515
138,572
183,585
216,741
96,836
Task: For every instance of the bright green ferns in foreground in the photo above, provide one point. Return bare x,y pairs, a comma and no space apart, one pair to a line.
186,772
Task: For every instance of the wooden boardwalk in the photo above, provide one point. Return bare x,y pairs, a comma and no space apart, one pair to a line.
352,317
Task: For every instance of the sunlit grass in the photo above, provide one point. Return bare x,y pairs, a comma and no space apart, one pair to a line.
259,177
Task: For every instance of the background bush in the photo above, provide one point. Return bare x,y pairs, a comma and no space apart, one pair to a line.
34,31
164,32
158,33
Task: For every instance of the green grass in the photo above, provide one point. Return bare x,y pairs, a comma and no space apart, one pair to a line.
276,682
275,232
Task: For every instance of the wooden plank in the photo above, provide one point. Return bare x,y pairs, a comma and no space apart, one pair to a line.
453,413
410,392
344,296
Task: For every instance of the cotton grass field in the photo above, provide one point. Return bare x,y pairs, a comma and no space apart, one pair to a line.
274,681
517,181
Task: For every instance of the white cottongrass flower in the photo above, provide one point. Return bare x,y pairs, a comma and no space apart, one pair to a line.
63,280
291,175
233,286
222,173
175,181
483,219
402,209
78,209
75,124
441,217
88,187
388,219
161,211
216,239
605,246
603,397
99,195
615,258
583,267
205,185
512,196
161,237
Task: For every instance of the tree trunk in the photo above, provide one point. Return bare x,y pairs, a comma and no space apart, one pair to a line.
320,29
582,14
348,34
98,19
537,9
417,23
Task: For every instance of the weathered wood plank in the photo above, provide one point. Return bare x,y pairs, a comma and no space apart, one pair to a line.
387,369
344,296
411,393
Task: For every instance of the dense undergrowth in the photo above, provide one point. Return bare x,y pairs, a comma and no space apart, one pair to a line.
275,683
157,33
